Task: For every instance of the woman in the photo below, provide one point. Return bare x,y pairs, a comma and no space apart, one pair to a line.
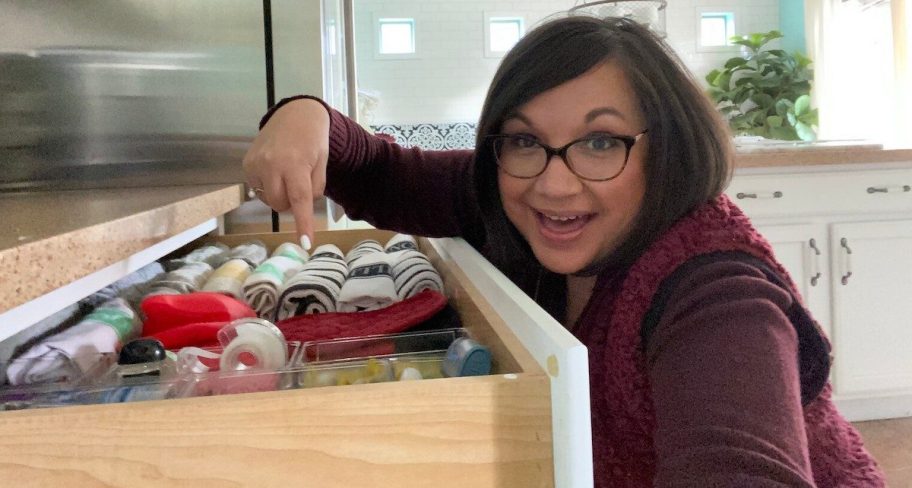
596,186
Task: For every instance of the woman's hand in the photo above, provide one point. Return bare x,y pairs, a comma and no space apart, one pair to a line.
287,160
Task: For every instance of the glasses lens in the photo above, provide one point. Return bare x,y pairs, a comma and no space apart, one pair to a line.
598,157
520,156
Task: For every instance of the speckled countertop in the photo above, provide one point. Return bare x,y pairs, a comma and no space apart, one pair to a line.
786,154
50,239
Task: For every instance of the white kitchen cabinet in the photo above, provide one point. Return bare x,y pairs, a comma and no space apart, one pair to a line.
850,229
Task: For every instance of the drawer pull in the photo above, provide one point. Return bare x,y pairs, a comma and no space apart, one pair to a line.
815,262
759,195
890,189
848,260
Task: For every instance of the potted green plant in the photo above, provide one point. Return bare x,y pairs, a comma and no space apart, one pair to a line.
765,92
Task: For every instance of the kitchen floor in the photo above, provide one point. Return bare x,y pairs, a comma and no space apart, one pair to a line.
890,441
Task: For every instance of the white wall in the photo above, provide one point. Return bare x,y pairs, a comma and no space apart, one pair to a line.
448,79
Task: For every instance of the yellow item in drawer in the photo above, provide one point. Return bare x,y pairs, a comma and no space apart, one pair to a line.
348,373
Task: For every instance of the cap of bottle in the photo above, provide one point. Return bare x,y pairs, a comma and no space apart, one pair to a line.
466,357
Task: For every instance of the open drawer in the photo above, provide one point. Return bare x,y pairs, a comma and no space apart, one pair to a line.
526,424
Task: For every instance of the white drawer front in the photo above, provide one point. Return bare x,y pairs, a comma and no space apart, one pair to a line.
788,195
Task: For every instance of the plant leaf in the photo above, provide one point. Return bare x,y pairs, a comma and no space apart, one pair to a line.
711,76
792,118
735,62
774,121
805,132
802,104
782,107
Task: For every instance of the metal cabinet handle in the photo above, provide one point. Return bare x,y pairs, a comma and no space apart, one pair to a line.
848,260
890,189
759,195
815,262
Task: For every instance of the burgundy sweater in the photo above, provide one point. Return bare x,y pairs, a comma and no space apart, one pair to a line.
721,381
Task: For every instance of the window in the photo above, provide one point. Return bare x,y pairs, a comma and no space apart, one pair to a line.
716,29
397,36
501,33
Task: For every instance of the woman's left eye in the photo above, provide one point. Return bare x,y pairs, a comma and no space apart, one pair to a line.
601,143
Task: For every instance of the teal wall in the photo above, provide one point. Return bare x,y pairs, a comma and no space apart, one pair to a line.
791,24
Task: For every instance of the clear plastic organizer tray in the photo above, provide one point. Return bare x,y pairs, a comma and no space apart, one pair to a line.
335,362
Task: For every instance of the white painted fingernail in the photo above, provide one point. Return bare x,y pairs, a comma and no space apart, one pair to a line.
305,242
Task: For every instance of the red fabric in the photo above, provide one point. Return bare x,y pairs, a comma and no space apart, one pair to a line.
200,334
624,420
398,317
168,311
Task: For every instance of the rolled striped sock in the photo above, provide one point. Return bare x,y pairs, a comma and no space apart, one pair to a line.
361,248
254,252
186,279
401,242
261,288
316,287
229,278
413,273
369,285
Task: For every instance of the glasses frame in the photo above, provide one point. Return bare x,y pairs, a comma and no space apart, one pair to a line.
550,152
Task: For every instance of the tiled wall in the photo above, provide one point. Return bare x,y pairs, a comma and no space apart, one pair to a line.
446,82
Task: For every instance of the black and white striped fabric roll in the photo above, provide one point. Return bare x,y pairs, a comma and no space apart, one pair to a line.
401,242
369,285
254,252
261,288
316,287
362,248
186,279
413,273
212,254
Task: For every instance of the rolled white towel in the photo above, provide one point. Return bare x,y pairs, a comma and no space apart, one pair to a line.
69,355
229,278
291,250
401,242
413,273
261,288
316,287
369,284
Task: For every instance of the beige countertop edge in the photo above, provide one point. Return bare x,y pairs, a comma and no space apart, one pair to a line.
40,266
819,156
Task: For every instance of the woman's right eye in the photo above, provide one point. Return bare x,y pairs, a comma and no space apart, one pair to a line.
522,141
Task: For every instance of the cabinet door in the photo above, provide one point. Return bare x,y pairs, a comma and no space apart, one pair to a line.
802,249
872,306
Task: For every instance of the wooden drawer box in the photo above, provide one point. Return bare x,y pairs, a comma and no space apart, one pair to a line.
497,430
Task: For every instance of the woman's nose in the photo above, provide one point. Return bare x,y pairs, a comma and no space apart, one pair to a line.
557,180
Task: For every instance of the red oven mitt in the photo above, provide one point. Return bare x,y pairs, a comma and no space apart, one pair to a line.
397,317
191,319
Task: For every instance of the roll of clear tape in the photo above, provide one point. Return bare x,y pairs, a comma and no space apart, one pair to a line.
252,343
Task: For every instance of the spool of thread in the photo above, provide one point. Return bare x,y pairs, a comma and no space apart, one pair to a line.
466,357
252,343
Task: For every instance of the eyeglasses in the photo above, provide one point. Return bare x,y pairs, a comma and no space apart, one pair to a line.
596,157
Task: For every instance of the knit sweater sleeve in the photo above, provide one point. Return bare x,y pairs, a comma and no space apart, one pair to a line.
723,369
410,190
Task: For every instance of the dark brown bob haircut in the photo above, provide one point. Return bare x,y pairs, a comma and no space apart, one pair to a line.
688,161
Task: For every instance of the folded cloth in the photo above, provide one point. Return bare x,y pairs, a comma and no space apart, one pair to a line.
212,254
261,288
254,252
126,287
186,279
361,248
398,317
401,242
229,278
316,287
72,353
164,312
412,273
291,250
17,344
369,284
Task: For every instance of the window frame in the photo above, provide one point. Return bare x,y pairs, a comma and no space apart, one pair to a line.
491,17
734,24
380,20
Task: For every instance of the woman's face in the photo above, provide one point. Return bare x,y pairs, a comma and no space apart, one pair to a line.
570,222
